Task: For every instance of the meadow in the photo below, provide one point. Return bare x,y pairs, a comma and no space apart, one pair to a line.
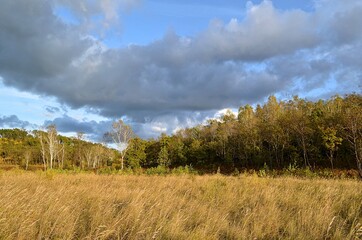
45,205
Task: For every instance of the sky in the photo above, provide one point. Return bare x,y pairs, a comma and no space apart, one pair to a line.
162,65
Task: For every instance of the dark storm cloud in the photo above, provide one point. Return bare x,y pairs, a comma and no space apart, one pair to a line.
14,122
269,51
34,45
134,88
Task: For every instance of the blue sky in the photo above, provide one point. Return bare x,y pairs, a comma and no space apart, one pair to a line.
163,65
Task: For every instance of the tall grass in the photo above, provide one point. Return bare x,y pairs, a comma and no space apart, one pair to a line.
88,206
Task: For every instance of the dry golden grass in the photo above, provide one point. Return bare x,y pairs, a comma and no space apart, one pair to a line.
87,206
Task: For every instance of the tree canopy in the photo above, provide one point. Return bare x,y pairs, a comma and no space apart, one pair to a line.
309,134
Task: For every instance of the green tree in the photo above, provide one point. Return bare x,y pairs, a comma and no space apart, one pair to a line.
331,142
176,150
163,155
299,112
136,154
163,158
271,131
352,126
248,140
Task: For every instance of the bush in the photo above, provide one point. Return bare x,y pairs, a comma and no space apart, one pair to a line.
108,171
183,170
127,171
264,171
159,170
235,172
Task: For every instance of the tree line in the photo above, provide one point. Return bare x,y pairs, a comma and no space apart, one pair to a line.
277,134
46,149
298,132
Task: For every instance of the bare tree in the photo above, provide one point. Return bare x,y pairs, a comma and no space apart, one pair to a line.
80,137
41,136
27,157
52,141
61,154
50,146
121,134
93,155
89,155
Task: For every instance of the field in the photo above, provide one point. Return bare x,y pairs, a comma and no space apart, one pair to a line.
88,206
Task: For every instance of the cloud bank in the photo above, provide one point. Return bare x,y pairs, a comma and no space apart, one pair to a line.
177,77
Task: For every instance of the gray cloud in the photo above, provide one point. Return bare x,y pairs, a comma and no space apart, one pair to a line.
13,121
51,109
93,129
35,46
149,128
269,51
169,123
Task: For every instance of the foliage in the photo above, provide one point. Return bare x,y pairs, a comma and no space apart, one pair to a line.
136,155
281,134
159,170
31,150
295,135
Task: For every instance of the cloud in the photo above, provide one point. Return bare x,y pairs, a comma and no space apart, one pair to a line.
13,121
51,109
98,17
264,33
149,128
94,130
88,8
157,85
169,123
34,45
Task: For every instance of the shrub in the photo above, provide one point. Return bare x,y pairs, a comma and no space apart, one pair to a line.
159,170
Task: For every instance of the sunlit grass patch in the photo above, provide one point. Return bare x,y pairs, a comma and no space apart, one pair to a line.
78,206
